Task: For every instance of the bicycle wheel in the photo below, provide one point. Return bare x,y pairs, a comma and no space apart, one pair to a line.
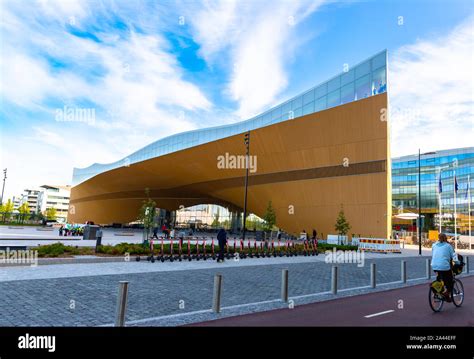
436,301
458,293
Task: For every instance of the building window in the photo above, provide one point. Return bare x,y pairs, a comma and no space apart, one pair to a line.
379,84
334,84
347,93
362,87
320,91
308,97
362,70
334,98
309,108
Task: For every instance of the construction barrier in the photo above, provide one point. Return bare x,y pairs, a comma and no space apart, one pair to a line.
379,245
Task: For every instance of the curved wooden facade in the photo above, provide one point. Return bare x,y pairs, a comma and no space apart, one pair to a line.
308,167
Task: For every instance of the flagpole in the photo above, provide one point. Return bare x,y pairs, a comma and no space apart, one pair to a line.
440,190
440,214
469,209
455,222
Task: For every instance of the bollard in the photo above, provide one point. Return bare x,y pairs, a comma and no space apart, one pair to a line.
428,268
373,274
334,280
121,304
284,285
467,264
404,271
216,300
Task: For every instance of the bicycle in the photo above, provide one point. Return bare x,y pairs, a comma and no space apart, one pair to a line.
437,288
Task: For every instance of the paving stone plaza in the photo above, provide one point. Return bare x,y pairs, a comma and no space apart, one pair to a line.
181,292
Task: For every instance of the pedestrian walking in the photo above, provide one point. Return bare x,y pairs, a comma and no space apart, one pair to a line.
164,230
222,239
155,232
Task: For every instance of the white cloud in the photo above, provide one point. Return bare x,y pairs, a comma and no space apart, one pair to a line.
432,93
142,82
216,26
140,98
260,38
63,9
24,80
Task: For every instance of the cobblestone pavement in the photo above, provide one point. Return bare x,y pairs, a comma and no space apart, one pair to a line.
90,300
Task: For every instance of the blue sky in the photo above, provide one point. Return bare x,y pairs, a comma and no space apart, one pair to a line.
149,69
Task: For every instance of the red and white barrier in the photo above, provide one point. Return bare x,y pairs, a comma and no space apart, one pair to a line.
379,245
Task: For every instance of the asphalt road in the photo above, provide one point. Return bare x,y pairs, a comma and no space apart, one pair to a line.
398,307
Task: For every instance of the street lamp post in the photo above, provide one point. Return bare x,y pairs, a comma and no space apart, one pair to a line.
3,187
247,146
419,196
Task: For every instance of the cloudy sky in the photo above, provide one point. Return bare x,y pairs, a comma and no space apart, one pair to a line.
149,69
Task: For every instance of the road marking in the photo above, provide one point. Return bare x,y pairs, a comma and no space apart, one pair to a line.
377,314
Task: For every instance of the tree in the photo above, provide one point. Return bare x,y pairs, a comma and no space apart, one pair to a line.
50,213
342,226
38,216
269,217
7,209
147,215
225,224
24,210
252,223
215,222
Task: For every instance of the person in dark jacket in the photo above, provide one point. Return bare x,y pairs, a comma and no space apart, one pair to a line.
222,239
155,232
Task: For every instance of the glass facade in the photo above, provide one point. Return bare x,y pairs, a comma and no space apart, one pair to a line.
442,164
366,79
211,217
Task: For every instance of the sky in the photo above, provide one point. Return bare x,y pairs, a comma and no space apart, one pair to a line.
143,70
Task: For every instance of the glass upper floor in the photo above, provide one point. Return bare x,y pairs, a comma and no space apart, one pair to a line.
365,79
440,166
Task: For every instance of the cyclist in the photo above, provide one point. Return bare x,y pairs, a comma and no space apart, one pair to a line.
442,254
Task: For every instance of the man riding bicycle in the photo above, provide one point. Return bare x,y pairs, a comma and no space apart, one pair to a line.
442,255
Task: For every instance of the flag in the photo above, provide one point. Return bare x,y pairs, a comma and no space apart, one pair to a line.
455,184
467,188
440,185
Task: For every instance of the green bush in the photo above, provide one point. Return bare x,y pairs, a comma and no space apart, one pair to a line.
59,249
51,250
105,249
122,248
